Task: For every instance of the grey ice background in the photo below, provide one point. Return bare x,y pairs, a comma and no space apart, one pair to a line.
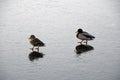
55,23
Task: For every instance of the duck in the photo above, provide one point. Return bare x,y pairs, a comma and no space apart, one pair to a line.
84,36
35,42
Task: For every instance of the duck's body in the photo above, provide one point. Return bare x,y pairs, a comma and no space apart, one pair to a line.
84,36
36,42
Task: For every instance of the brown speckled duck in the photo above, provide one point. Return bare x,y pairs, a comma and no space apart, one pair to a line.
36,42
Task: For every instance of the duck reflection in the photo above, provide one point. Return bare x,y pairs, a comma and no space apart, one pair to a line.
83,48
35,55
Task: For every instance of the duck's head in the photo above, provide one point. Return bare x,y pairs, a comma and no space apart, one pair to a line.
32,37
79,30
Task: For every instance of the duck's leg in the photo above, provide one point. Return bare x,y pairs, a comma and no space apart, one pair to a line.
32,48
86,42
37,48
80,42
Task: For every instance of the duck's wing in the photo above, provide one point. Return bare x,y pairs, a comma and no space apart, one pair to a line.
38,42
88,35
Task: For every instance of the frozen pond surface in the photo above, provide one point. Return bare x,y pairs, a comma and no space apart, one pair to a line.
55,23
